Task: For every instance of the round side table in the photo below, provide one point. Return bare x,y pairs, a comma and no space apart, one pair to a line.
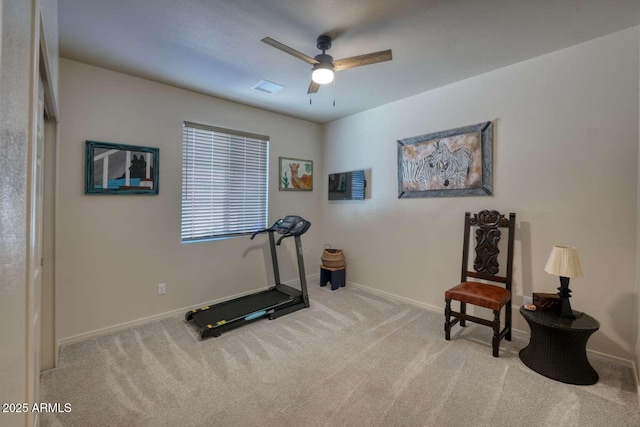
558,346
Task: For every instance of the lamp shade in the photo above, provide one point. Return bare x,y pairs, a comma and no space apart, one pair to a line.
563,261
322,75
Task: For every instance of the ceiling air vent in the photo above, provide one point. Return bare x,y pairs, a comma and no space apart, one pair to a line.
267,87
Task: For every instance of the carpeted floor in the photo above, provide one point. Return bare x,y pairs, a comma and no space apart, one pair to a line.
352,359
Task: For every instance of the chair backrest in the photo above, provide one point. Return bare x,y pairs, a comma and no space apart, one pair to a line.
487,225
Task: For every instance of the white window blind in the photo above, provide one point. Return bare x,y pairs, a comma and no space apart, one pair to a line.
357,185
224,182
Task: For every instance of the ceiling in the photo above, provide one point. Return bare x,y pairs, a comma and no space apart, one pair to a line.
213,46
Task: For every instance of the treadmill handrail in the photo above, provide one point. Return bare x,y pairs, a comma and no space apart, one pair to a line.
273,228
283,236
261,231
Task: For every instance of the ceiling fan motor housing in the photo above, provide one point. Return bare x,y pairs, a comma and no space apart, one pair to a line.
323,58
323,43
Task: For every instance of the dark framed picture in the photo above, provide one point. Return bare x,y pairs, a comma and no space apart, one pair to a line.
120,169
456,162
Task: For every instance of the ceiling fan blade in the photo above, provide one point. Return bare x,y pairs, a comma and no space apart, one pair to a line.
366,59
313,87
289,50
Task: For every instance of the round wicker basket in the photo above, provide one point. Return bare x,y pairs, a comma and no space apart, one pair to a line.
333,258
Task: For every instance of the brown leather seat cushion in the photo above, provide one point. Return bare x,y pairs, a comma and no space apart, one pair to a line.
481,294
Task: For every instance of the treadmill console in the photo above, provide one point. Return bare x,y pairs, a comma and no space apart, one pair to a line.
292,225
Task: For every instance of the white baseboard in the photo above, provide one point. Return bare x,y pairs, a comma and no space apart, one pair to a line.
433,308
523,334
397,297
160,316
136,322
610,358
115,328
636,380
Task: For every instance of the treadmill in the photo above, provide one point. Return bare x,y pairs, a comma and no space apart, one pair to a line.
273,302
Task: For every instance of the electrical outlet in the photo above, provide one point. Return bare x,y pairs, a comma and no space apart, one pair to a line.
527,300
162,288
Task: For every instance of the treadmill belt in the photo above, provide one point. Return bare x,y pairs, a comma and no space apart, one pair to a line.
241,307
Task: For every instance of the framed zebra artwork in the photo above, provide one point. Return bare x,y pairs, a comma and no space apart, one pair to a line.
451,163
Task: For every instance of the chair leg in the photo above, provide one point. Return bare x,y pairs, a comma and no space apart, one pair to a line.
447,320
463,310
507,321
496,333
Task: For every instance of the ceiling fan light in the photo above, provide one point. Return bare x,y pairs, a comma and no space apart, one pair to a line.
322,74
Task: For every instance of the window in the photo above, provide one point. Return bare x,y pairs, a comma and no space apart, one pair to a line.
224,182
357,185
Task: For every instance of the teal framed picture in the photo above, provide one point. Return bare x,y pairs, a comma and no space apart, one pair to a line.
120,169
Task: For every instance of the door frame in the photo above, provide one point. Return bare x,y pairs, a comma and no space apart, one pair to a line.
40,72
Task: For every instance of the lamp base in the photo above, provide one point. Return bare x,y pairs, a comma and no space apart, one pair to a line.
565,294
574,315
567,313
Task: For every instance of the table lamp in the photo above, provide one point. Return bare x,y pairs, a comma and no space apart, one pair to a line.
564,262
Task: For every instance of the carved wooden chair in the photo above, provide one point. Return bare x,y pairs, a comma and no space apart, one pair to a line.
487,230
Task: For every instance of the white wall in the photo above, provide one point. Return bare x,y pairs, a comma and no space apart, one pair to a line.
565,160
113,251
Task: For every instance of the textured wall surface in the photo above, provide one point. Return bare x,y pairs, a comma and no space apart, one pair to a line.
14,126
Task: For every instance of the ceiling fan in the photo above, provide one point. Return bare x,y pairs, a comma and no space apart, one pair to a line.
324,65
